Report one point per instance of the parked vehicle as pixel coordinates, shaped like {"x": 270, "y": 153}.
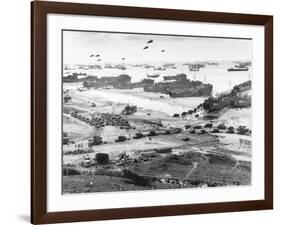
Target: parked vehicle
{"x": 186, "y": 139}
{"x": 203, "y": 131}
{"x": 215, "y": 130}
{"x": 121, "y": 139}
{"x": 221, "y": 126}
{"x": 242, "y": 130}
{"x": 192, "y": 131}
{"x": 96, "y": 140}
{"x": 208, "y": 125}
{"x": 230, "y": 130}
{"x": 138, "y": 135}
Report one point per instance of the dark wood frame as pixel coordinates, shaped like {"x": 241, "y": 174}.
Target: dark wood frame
{"x": 39, "y": 11}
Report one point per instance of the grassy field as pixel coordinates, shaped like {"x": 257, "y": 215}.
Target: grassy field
{"x": 193, "y": 169}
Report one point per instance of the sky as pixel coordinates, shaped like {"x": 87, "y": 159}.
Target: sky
{"x": 79, "y": 45}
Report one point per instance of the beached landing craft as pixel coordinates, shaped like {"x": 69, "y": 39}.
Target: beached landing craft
{"x": 159, "y": 68}
{"x": 180, "y": 86}
{"x": 239, "y": 97}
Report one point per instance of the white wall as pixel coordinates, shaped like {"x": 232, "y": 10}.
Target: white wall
{"x": 15, "y": 110}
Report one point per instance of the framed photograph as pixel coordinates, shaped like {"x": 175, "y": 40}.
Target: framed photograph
{"x": 144, "y": 112}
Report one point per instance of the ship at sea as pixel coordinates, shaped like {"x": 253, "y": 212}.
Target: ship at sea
{"x": 153, "y": 75}
{"x": 239, "y": 67}
{"x": 196, "y": 67}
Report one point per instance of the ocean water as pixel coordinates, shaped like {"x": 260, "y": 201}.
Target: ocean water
{"x": 217, "y": 75}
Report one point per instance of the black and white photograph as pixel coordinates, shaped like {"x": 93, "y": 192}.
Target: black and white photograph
{"x": 155, "y": 111}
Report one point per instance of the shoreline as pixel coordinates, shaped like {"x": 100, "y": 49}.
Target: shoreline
{"x": 145, "y": 100}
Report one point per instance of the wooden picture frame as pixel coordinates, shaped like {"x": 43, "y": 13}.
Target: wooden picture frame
{"x": 39, "y": 11}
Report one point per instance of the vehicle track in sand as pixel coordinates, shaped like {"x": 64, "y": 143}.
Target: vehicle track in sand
{"x": 195, "y": 164}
